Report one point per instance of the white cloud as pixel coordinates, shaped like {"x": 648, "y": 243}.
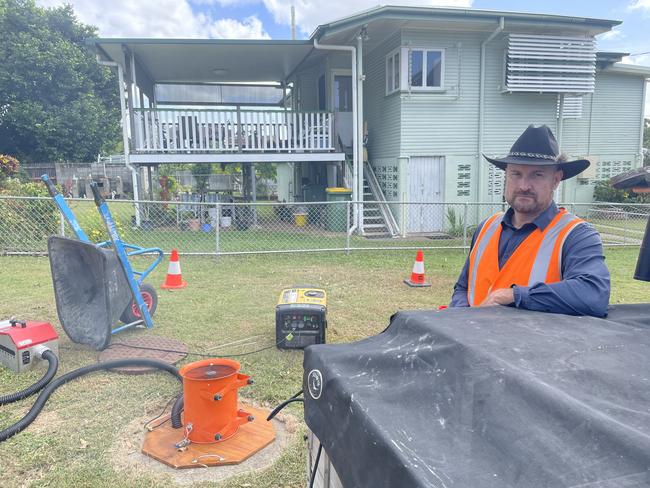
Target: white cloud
{"x": 639, "y": 4}
{"x": 158, "y": 18}
{"x": 612, "y": 35}
{"x": 250, "y": 28}
{"x": 311, "y": 13}
{"x": 641, "y": 60}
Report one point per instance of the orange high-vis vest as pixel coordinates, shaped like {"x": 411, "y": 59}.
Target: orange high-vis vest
{"x": 537, "y": 259}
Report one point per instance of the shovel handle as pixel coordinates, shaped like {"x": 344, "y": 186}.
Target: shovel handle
{"x": 99, "y": 199}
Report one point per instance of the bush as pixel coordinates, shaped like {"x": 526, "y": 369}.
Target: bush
{"x": 457, "y": 226}
{"x": 604, "y": 192}
{"x": 8, "y": 166}
{"x": 95, "y": 229}
{"x": 25, "y": 224}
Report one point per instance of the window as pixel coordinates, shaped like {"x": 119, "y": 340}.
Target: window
{"x": 415, "y": 68}
{"x": 343, "y": 93}
{"x": 392, "y": 72}
{"x": 425, "y": 68}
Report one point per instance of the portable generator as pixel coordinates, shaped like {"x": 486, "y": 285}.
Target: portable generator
{"x": 300, "y": 317}
{"x": 22, "y": 343}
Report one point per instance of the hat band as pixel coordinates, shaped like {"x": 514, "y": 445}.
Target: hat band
{"x": 533, "y": 155}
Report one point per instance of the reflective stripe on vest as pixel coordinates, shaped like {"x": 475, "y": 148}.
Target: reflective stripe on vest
{"x": 537, "y": 259}
{"x": 489, "y": 228}
{"x": 545, "y": 252}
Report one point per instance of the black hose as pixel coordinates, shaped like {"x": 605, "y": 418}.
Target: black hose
{"x": 62, "y": 380}
{"x": 277, "y": 409}
{"x": 53, "y": 365}
{"x": 314, "y": 470}
{"x": 176, "y": 412}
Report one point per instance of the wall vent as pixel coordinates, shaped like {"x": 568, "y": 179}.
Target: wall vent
{"x": 550, "y": 64}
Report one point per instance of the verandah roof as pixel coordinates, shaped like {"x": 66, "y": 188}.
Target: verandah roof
{"x": 208, "y": 60}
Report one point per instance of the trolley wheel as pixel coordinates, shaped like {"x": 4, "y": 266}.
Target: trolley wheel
{"x": 132, "y": 311}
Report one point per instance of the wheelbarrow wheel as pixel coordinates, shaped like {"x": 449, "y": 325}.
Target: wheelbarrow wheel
{"x": 132, "y": 311}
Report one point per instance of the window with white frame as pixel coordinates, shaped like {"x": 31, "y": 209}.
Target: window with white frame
{"x": 392, "y": 72}
{"x": 415, "y": 68}
{"x": 424, "y": 68}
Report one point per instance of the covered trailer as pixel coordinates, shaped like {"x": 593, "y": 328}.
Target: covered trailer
{"x": 485, "y": 397}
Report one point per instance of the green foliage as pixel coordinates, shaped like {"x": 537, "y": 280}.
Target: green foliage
{"x": 15, "y": 187}
{"x": 201, "y": 173}
{"x": 604, "y": 192}
{"x": 25, "y": 220}
{"x": 95, "y": 229}
{"x": 457, "y": 227}
{"x": 8, "y": 166}
{"x": 56, "y": 102}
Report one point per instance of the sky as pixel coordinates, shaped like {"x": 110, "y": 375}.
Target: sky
{"x": 271, "y": 19}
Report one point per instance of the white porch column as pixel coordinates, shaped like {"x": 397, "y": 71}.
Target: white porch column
{"x": 125, "y": 134}
{"x": 359, "y": 127}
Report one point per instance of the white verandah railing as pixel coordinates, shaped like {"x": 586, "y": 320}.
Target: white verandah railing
{"x": 231, "y": 130}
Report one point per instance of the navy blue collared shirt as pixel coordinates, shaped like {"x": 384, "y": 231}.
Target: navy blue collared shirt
{"x": 584, "y": 289}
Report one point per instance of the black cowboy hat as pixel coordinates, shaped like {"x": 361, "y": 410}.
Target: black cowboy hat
{"x": 538, "y": 146}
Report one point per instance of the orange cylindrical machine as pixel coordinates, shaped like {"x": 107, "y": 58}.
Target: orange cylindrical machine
{"x": 211, "y": 412}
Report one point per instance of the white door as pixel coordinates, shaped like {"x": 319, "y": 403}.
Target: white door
{"x": 425, "y": 211}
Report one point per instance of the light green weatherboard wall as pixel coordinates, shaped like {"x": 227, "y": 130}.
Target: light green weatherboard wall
{"x": 446, "y": 123}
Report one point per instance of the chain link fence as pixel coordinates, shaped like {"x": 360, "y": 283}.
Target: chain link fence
{"x": 269, "y": 227}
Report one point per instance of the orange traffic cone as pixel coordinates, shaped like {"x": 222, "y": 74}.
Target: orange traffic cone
{"x": 174, "y": 278}
{"x": 417, "y": 276}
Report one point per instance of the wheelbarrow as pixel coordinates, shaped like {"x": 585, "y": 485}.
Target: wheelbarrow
{"x": 95, "y": 286}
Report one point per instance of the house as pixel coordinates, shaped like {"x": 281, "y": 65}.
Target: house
{"x": 430, "y": 89}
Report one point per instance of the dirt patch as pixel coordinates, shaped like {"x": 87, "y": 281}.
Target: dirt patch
{"x": 127, "y": 458}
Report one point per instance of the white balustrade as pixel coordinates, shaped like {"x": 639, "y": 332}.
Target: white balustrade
{"x": 173, "y": 130}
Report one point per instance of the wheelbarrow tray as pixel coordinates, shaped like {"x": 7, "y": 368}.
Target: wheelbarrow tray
{"x": 90, "y": 288}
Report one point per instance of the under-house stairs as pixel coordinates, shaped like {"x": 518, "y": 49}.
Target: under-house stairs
{"x": 378, "y": 220}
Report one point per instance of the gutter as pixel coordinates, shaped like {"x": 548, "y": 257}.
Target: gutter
{"x": 481, "y": 107}
{"x": 355, "y": 130}
{"x": 125, "y": 135}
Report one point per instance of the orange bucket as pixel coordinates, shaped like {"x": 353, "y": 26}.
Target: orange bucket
{"x": 211, "y": 412}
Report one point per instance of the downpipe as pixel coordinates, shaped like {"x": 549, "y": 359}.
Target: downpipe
{"x": 355, "y": 129}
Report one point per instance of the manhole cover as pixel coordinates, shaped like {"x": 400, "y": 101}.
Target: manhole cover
{"x": 163, "y": 349}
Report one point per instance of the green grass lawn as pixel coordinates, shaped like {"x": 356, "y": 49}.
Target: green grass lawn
{"x": 74, "y": 440}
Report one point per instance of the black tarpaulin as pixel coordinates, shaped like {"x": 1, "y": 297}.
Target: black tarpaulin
{"x": 487, "y": 397}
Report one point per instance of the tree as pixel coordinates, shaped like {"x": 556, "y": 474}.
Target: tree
{"x": 56, "y": 102}
{"x": 201, "y": 173}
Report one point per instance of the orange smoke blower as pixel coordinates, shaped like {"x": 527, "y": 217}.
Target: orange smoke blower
{"x": 210, "y": 400}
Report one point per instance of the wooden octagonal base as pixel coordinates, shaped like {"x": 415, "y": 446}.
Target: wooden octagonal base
{"x": 249, "y": 438}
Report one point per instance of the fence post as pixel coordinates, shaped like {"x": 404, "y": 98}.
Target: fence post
{"x": 347, "y": 227}
{"x": 625, "y": 231}
{"x": 465, "y": 224}
{"x": 62, "y": 219}
{"x": 217, "y": 227}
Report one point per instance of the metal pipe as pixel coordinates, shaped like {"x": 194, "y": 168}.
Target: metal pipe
{"x": 355, "y": 104}
{"x": 643, "y": 100}
{"x": 125, "y": 136}
{"x": 360, "y": 135}
{"x": 481, "y": 108}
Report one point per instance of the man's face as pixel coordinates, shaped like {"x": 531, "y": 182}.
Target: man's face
{"x": 529, "y": 189}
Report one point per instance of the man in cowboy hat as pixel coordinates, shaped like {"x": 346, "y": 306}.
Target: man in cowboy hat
{"x": 536, "y": 255}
